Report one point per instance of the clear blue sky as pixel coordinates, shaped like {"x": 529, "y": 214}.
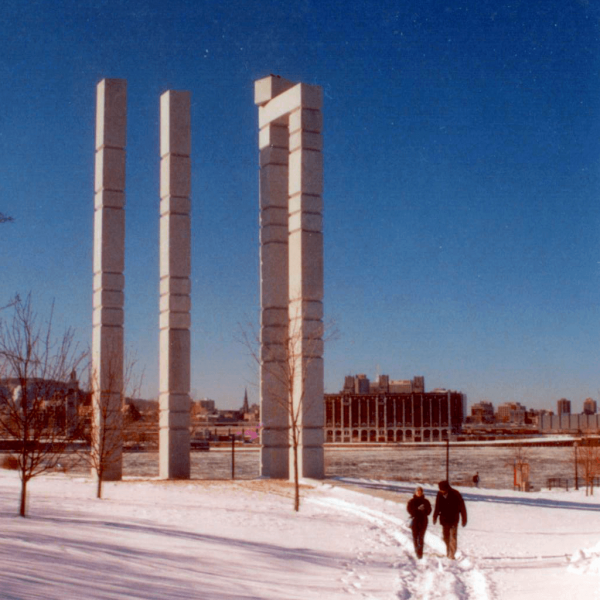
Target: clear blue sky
{"x": 462, "y": 180}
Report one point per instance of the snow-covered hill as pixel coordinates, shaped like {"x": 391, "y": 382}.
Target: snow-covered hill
{"x": 157, "y": 540}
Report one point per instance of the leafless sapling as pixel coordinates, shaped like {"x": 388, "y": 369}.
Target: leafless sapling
{"x": 588, "y": 458}
{"x": 110, "y": 423}
{"x": 288, "y": 366}
{"x": 38, "y": 390}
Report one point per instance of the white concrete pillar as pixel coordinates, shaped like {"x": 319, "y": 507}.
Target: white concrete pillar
{"x": 109, "y": 282}
{"x": 306, "y": 273}
{"x": 291, "y": 191}
{"x": 274, "y": 298}
{"x": 175, "y": 286}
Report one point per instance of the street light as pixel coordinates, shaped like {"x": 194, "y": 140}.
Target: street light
{"x": 448, "y": 459}
{"x": 575, "y": 448}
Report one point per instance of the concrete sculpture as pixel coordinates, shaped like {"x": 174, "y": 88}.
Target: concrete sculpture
{"x": 291, "y": 272}
{"x": 175, "y": 285}
{"x": 109, "y": 281}
{"x": 109, "y": 264}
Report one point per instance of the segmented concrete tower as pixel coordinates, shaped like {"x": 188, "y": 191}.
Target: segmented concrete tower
{"x": 109, "y": 264}
{"x": 291, "y": 273}
{"x": 175, "y": 285}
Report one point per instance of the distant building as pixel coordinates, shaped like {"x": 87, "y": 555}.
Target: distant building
{"x": 401, "y": 386}
{"x": 249, "y": 412}
{"x": 348, "y": 384}
{"x": 482, "y": 412}
{"x": 590, "y": 407}
{"x": 62, "y": 399}
{"x": 419, "y": 384}
{"x": 205, "y": 411}
{"x": 360, "y": 384}
{"x": 511, "y": 412}
{"x": 383, "y": 383}
{"x": 384, "y": 415}
{"x": 563, "y": 407}
{"x": 569, "y": 423}
{"x": 207, "y": 405}
{"x": 356, "y": 384}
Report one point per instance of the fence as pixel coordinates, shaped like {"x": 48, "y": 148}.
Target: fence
{"x": 559, "y": 482}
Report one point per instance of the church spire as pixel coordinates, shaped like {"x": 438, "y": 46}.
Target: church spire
{"x": 245, "y": 406}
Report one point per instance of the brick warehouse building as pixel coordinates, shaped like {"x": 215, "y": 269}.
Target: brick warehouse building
{"x": 380, "y": 415}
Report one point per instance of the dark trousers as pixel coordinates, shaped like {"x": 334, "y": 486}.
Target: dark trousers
{"x": 450, "y": 539}
{"x": 419, "y": 539}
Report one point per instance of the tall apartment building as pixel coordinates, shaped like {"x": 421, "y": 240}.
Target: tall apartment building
{"x": 563, "y": 407}
{"x": 590, "y": 406}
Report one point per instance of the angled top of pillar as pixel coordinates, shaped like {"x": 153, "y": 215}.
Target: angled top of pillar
{"x": 267, "y": 88}
{"x": 300, "y": 95}
{"x": 175, "y": 123}
{"x": 111, "y": 113}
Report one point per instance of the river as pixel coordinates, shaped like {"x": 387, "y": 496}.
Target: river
{"x": 425, "y": 464}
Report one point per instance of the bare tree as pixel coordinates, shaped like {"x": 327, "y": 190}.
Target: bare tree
{"x": 110, "y": 423}
{"x": 588, "y": 458}
{"x": 288, "y": 366}
{"x": 37, "y": 387}
{"x": 520, "y": 464}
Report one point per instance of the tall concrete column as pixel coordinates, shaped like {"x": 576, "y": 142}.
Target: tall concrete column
{"x": 274, "y": 297}
{"x": 175, "y": 286}
{"x": 109, "y": 264}
{"x": 291, "y": 271}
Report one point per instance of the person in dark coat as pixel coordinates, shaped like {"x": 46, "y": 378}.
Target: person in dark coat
{"x": 419, "y": 508}
{"x": 450, "y": 508}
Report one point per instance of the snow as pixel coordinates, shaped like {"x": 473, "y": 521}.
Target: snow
{"x": 157, "y": 540}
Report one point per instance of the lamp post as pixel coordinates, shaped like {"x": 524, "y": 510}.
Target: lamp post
{"x": 232, "y": 455}
{"x": 575, "y": 449}
{"x": 448, "y": 459}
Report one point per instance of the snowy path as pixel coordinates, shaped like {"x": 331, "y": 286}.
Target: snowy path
{"x": 517, "y": 545}
{"x": 434, "y": 576}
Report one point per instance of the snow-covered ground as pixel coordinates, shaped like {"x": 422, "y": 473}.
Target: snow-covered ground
{"x": 241, "y": 540}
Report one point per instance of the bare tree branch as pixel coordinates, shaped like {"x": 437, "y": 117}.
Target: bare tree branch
{"x": 110, "y": 424}
{"x": 588, "y": 458}
{"x": 37, "y": 390}
{"x": 288, "y": 365}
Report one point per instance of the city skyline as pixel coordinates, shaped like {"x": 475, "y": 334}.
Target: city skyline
{"x": 461, "y": 152}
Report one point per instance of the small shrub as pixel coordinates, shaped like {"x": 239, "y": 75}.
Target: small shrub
{"x": 10, "y": 462}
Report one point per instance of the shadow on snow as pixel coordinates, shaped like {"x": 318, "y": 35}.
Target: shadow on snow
{"x": 472, "y": 497}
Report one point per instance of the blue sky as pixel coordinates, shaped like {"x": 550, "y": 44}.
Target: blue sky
{"x": 461, "y": 151}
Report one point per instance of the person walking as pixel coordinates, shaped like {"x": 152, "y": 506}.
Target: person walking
{"x": 476, "y": 479}
{"x": 450, "y": 508}
{"x": 419, "y": 508}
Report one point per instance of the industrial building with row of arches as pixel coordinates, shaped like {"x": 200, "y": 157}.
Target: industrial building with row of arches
{"x": 392, "y": 411}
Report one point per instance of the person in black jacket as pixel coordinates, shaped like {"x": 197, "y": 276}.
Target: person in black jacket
{"x": 449, "y": 507}
{"x": 419, "y": 508}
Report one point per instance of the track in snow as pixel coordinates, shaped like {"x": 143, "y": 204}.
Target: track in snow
{"x": 432, "y": 578}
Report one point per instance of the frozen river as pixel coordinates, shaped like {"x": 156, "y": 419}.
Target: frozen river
{"x": 411, "y": 463}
